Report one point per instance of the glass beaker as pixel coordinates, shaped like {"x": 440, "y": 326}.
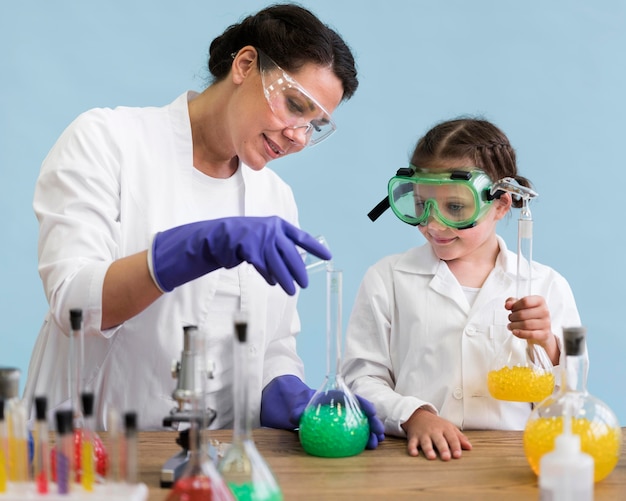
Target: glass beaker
{"x": 243, "y": 468}
{"x": 590, "y": 418}
{"x": 200, "y": 480}
{"x": 333, "y": 423}
{"x": 311, "y": 261}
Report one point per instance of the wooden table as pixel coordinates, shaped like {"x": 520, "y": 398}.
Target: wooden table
{"x": 496, "y": 468}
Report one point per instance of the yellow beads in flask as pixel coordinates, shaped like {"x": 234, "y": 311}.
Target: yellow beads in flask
{"x": 520, "y": 384}
{"x": 599, "y": 440}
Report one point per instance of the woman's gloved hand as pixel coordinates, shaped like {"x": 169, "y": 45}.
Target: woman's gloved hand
{"x": 284, "y": 399}
{"x": 186, "y": 252}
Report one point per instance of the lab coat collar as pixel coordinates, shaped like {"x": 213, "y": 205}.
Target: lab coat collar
{"x": 423, "y": 261}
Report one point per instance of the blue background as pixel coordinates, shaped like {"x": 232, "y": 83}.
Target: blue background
{"x": 550, "y": 74}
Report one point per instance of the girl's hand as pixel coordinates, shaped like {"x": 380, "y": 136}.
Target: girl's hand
{"x": 432, "y": 434}
{"x": 530, "y": 320}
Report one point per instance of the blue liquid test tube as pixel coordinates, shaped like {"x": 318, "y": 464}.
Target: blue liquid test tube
{"x": 64, "y": 450}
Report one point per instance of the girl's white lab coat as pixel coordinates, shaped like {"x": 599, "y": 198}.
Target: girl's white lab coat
{"x": 413, "y": 340}
{"x": 114, "y": 179}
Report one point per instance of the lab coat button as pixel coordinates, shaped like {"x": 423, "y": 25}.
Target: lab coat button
{"x": 470, "y": 331}
{"x": 458, "y": 393}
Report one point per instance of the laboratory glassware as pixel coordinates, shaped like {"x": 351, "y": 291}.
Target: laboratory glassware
{"x": 87, "y": 453}
{"x": 313, "y": 263}
{"x": 76, "y": 365}
{"x": 589, "y": 418}
{"x": 4, "y": 451}
{"x": 129, "y": 453}
{"x": 521, "y": 371}
{"x": 566, "y": 473}
{"x": 41, "y": 459}
{"x": 199, "y": 480}
{"x": 76, "y": 389}
{"x": 17, "y": 436}
{"x": 333, "y": 423}
{"x": 243, "y": 468}
{"x": 64, "y": 450}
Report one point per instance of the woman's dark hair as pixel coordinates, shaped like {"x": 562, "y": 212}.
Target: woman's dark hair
{"x": 476, "y": 139}
{"x": 292, "y": 36}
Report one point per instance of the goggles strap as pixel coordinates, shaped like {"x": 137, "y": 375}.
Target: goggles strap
{"x": 384, "y": 204}
{"x": 377, "y": 211}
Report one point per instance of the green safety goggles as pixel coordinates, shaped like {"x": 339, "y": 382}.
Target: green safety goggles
{"x": 457, "y": 199}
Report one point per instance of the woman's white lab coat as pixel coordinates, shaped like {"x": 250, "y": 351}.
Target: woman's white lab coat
{"x": 113, "y": 179}
{"x": 413, "y": 339}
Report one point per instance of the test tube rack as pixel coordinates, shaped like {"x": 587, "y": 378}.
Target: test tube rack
{"x": 102, "y": 492}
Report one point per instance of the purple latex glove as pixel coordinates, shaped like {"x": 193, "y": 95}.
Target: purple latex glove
{"x": 186, "y": 252}
{"x": 284, "y": 399}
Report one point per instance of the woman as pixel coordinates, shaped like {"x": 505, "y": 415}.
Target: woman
{"x": 193, "y": 174}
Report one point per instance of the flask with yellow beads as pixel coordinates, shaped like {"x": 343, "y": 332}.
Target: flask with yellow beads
{"x": 591, "y": 419}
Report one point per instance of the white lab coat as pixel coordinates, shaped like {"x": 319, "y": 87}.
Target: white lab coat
{"x": 413, "y": 340}
{"x": 113, "y": 179}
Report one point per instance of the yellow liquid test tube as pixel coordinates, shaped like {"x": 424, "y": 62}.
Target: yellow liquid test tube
{"x": 3, "y": 472}
{"x": 88, "y": 476}
{"x": 18, "y": 442}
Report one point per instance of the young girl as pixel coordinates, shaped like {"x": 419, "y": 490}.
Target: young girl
{"x": 427, "y": 324}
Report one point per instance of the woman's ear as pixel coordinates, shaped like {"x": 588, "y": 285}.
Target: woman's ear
{"x": 244, "y": 63}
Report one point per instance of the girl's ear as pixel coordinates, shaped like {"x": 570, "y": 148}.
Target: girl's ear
{"x": 244, "y": 63}
{"x": 503, "y": 205}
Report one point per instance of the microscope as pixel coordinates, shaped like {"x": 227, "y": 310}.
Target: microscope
{"x": 191, "y": 373}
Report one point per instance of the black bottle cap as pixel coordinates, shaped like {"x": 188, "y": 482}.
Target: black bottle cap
{"x": 41, "y": 408}
{"x": 1, "y": 409}
{"x": 64, "y": 418}
{"x": 87, "y": 402}
{"x": 574, "y": 340}
{"x": 76, "y": 318}
{"x": 130, "y": 421}
{"x": 241, "y": 331}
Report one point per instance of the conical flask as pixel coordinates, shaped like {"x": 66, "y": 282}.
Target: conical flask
{"x": 590, "y": 418}
{"x": 333, "y": 423}
{"x": 200, "y": 480}
{"x": 243, "y": 468}
{"x": 522, "y": 371}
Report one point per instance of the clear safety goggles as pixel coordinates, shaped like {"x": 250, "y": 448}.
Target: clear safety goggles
{"x": 292, "y": 104}
{"x": 457, "y": 199}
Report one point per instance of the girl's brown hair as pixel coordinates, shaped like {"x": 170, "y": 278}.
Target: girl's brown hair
{"x": 478, "y": 140}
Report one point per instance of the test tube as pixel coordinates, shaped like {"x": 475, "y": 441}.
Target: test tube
{"x": 64, "y": 450}
{"x": 18, "y": 441}
{"x": 3, "y": 449}
{"x": 75, "y": 367}
{"x": 130, "y": 447}
{"x": 113, "y": 428}
{"x": 88, "y": 474}
{"x": 41, "y": 466}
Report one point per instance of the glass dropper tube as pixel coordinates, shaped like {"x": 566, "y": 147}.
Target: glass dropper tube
{"x": 333, "y": 424}
{"x": 524, "y": 250}
{"x": 243, "y": 468}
